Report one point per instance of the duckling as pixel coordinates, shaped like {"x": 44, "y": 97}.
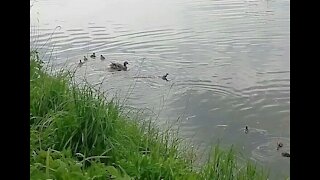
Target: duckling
{"x": 164, "y": 77}
{"x": 80, "y": 63}
{"x": 37, "y": 55}
{"x": 285, "y": 154}
{"x": 85, "y": 58}
{"x": 246, "y": 130}
{"x": 93, "y": 55}
{"x": 102, "y": 57}
{"x": 118, "y": 66}
{"x": 279, "y": 145}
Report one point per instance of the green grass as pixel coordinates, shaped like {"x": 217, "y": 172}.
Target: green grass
{"x": 75, "y": 133}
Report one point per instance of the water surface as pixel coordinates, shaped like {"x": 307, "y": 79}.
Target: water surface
{"x": 228, "y": 63}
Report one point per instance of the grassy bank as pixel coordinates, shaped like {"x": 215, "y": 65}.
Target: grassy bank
{"x": 76, "y": 134}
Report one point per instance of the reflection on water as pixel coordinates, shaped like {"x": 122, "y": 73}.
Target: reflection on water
{"x": 228, "y": 63}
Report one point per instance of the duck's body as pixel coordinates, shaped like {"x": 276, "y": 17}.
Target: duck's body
{"x": 118, "y": 66}
{"x": 93, "y": 55}
{"x": 102, "y": 57}
{"x": 164, "y": 77}
{"x": 85, "y": 58}
{"x": 285, "y": 154}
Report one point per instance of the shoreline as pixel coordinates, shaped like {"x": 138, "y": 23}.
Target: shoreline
{"x": 76, "y": 133}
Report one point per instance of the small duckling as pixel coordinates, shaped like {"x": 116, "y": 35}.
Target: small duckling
{"x": 37, "y": 55}
{"x": 285, "y": 154}
{"x": 279, "y": 145}
{"x": 102, "y": 57}
{"x": 80, "y": 63}
{"x": 164, "y": 77}
{"x": 85, "y": 58}
{"x": 246, "y": 130}
{"x": 93, "y": 55}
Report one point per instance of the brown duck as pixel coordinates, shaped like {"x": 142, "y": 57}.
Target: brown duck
{"x": 118, "y": 66}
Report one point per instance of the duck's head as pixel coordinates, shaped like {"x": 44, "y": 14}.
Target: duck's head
{"x": 94, "y": 54}
{"x": 125, "y": 63}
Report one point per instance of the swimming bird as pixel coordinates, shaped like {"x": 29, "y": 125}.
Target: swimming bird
{"x": 280, "y": 145}
{"x": 118, "y": 66}
{"x": 85, "y": 58}
{"x": 80, "y": 63}
{"x": 246, "y": 130}
{"x": 285, "y": 154}
{"x": 93, "y": 55}
{"x": 37, "y": 55}
{"x": 164, "y": 77}
{"x": 102, "y": 57}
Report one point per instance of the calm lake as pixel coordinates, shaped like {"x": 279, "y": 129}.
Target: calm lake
{"x": 228, "y": 63}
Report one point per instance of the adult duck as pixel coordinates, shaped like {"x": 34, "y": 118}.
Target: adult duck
{"x": 85, "y": 58}
{"x": 102, "y": 57}
{"x": 118, "y": 66}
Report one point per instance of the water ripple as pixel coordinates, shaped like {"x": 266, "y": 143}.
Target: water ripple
{"x": 228, "y": 61}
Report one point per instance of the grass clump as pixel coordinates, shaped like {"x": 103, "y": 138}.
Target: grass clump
{"x": 76, "y": 134}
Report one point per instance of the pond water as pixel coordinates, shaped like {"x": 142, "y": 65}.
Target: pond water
{"x": 228, "y": 63}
